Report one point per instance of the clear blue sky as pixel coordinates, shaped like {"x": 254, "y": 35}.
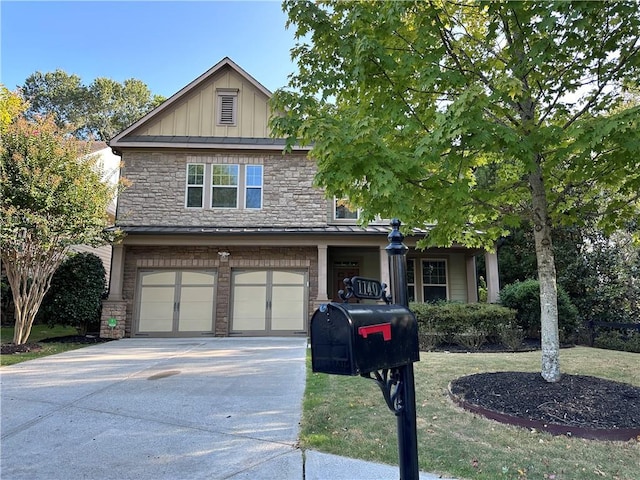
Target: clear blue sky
{"x": 165, "y": 44}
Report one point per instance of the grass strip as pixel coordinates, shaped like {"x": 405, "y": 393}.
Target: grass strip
{"x": 38, "y": 333}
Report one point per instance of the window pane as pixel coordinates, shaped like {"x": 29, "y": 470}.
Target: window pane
{"x": 224, "y": 197}
{"x": 434, "y": 272}
{"x": 194, "y": 197}
{"x": 254, "y": 175}
{"x": 412, "y": 293}
{"x": 225, "y": 175}
{"x": 342, "y": 210}
{"x": 433, "y": 294}
{"x": 195, "y": 175}
{"x": 254, "y": 198}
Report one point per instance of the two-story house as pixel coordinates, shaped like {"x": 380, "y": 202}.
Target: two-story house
{"x": 225, "y": 233}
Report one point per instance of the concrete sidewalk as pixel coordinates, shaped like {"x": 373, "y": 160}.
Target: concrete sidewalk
{"x": 194, "y": 408}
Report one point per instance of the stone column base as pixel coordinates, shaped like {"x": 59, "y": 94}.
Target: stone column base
{"x": 113, "y": 312}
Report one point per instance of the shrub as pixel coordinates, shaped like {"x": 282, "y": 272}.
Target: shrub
{"x": 441, "y": 322}
{"x": 471, "y": 338}
{"x": 512, "y": 337}
{"x": 628, "y": 341}
{"x": 524, "y": 297}
{"x": 74, "y": 298}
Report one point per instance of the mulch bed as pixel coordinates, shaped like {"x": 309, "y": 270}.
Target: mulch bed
{"x": 579, "y": 405}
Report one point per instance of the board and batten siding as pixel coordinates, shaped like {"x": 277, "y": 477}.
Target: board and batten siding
{"x": 457, "y": 277}
{"x": 195, "y": 115}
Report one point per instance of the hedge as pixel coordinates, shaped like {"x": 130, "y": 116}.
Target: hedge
{"x": 468, "y": 324}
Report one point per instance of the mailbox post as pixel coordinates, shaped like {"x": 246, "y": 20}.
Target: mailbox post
{"x": 406, "y": 416}
{"x": 379, "y": 342}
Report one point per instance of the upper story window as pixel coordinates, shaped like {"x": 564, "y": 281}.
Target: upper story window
{"x": 224, "y": 186}
{"x": 195, "y": 185}
{"x": 227, "y": 107}
{"x": 434, "y": 280}
{"x": 253, "y": 186}
{"x": 342, "y": 210}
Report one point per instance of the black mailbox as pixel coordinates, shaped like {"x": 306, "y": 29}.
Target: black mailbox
{"x": 355, "y": 339}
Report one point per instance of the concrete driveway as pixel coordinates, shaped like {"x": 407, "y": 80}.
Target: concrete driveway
{"x": 174, "y": 409}
{"x": 209, "y": 408}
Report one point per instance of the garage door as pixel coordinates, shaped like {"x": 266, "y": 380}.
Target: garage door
{"x": 176, "y": 302}
{"x": 269, "y": 302}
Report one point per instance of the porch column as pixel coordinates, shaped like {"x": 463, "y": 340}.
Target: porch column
{"x": 472, "y": 281}
{"x": 117, "y": 273}
{"x": 493, "y": 282}
{"x": 114, "y": 309}
{"x": 322, "y": 274}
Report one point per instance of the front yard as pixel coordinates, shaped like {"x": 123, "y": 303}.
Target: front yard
{"x": 347, "y": 416}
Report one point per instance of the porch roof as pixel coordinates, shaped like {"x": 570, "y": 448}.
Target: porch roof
{"x": 258, "y": 230}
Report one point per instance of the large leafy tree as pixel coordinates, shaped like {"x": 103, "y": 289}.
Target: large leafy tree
{"x": 52, "y": 196}
{"x": 469, "y": 117}
{"x": 99, "y": 110}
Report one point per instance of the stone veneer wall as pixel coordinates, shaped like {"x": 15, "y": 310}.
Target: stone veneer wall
{"x": 156, "y": 195}
{"x": 139, "y": 257}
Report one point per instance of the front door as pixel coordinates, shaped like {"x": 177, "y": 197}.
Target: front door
{"x": 341, "y": 271}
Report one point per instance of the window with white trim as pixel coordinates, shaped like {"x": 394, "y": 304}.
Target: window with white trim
{"x": 411, "y": 279}
{"x": 195, "y": 185}
{"x": 343, "y": 211}
{"x": 434, "y": 280}
{"x": 224, "y": 186}
{"x": 227, "y": 107}
{"x": 253, "y": 186}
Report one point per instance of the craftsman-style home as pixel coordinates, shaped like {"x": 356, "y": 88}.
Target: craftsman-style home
{"x": 225, "y": 233}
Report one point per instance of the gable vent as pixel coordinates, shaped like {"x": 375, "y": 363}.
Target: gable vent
{"x": 227, "y": 109}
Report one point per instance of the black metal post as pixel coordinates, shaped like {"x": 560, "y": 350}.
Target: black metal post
{"x": 406, "y": 417}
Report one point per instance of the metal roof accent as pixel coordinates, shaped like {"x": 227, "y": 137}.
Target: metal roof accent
{"x": 258, "y": 230}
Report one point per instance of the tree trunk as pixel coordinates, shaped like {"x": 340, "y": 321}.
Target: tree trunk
{"x": 547, "y": 277}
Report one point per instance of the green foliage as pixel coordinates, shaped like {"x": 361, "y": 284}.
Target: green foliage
{"x": 619, "y": 340}
{"x": 52, "y": 197}
{"x": 524, "y": 297}
{"x": 468, "y": 118}
{"x": 7, "y": 306}
{"x": 460, "y": 322}
{"x": 444, "y": 112}
{"x": 74, "y": 298}
{"x": 600, "y": 273}
{"x": 99, "y": 110}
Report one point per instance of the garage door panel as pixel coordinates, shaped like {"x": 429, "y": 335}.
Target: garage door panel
{"x": 196, "y": 309}
{"x": 249, "y": 307}
{"x": 287, "y": 308}
{"x": 176, "y": 301}
{"x": 197, "y": 278}
{"x": 156, "y": 309}
{"x": 159, "y": 278}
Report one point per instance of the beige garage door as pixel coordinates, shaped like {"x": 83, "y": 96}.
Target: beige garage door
{"x": 175, "y": 302}
{"x": 271, "y": 302}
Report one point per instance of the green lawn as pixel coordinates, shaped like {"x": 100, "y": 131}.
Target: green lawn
{"x": 348, "y": 416}
{"x": 38, "y": 332}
